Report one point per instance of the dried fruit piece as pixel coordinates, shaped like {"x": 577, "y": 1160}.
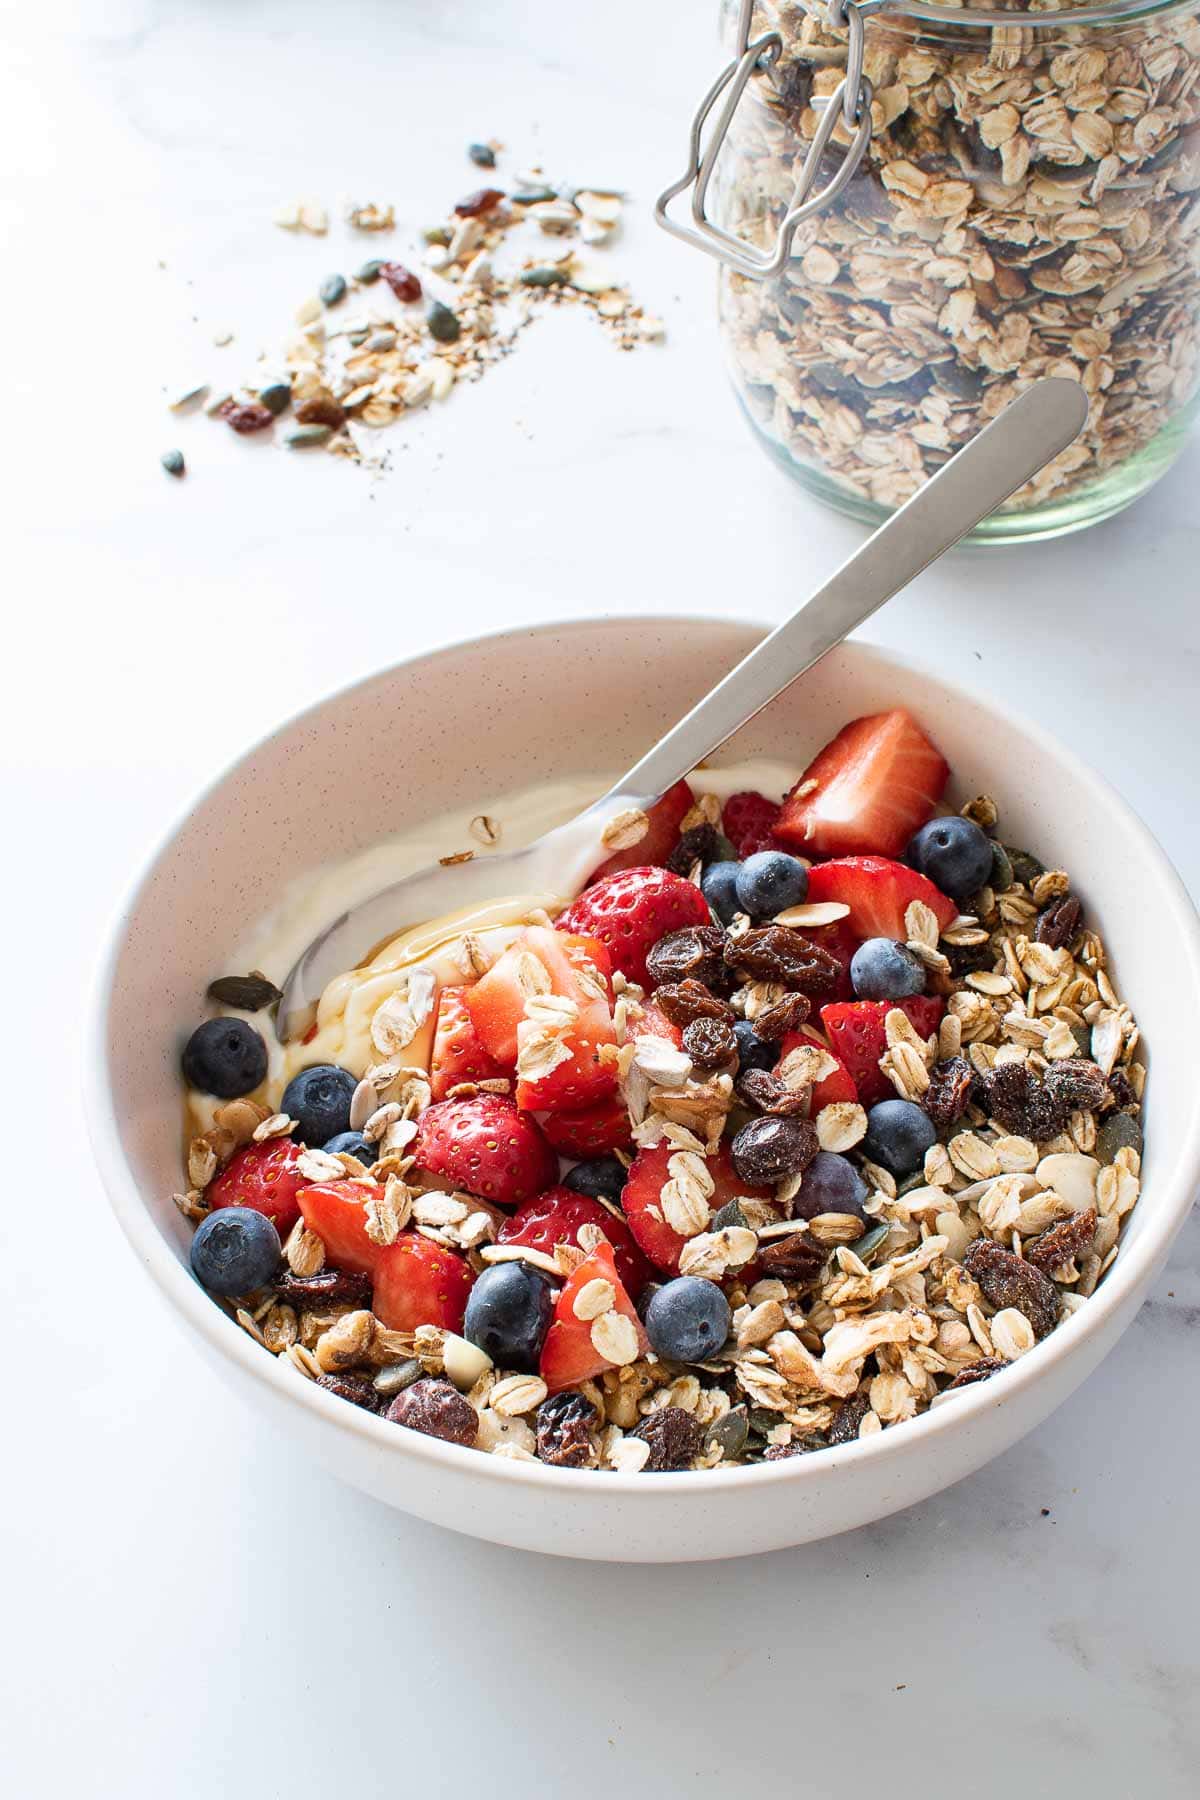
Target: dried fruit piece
{"x": 798, "y": 1258}
{"x": 360, "y": 1390}
{"x": 332, "y": 1287}
{"x": 771, "y": 1148}
{"x": 685, "y": 1001}
{"x": 1023, "y": 1106}
{"x": 483, "y": 200}
{"x": 977, "y": 1371}
{"x": 1077, "y": 1084}
{"x": 695, "y": 953}
{"x": 321, "y": 409}
{"x": 564, "y": 1427}
{"x": 1007, "y": 1280}
{"x": 710, "y": 1043}
{"x": 673, "y": 1435}
{"x": 949, "y": 1093}
{"x": 1063, "y": 1242}
{"x": 437, "y": 1409}
{"x": 787, "y": 1015}
{"x": 764, "y": 1091}
{"x": 703, "y": 843}
{"x": 245, "y": 417}
{"x": 848, "y": 1417}
{"x": 778, "y": 953}
{"x": 1060, "y": 922}
{"x": 404, "y": 284}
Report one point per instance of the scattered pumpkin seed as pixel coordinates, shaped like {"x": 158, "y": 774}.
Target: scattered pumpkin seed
{"x": 482, "y": 155}
{"x": 1083, "y": 1038}
{"x": 437, "y": 234}
{"x": 1002, "y": 869}
{"x": 1025, "y": 868}
{"x": 381, "y": 340}
{"x": 172, "y": 461}
{"x": 730, "y": 1432}
{"x": 869, "y": 1242}
{"x": 1119, "y": 1132}
{"x": 332, "y": 289}
{"x": 248, "y": 993}
{"x": 307, "y": 437}
{"x": 533, "y": 196}
{"x": 443, "y": 323}
{"x": 395, "y": 1379}
{"x": 543, "y": 277}
{"x": 369, "y": 271}
{"x": 728, "y": 1215}
{"x": 358, "y": 338}
{"x": 762, "y": 1419}
{"x": 276, "y": 396}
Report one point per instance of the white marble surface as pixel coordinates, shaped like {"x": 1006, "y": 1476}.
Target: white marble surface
{"x": 189, "y": 1609}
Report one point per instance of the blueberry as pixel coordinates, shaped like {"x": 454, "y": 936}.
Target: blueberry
{"x": 830, "y": 1184}
{"x": 319, "y": 1101}
{"x": 954, "y": 854}
{"x": 770, "y": 880}
{"x": 603, "y": 1178}
{"x": 225, "y": 1057}
{"x": 898, "y": 1135}
{"x": 882, "y": 969}
{"x": 235, "y": 1251}
{"x": 508, "y": 1315}
{"x": 718, "y": 884}
{"x": 352, "y": 1143}
{"x": 753, "y": 1052}
{"x": 688, "y": 1319}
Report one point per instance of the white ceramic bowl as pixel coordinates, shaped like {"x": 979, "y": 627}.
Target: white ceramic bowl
{"x": 582, "y": 697}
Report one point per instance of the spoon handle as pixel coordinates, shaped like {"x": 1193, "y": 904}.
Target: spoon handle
{"x": 978, "y": 479}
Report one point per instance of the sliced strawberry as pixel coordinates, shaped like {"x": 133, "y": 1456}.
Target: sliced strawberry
{"x": 840, "y": 941}
{"x": 831, "y": 1088}
{"x": 336, "y": 1211}
{"x": 631, "y": 910}
{"x": 648, "y": 1020}
{"x": 875, "y": 783}
{"x": 486, "y": 1147}
{"x": 458, "y": 1052}
{"x": 748, "y": 821}
{"x": 557, "y": 1216}
{"x": 857, "y": 1032}
{"x": 878, "y": 892}
{"x": 417, "y": 1282}
{"x": 569, "y": 1354}
{"x": 666, "y": 817}
{"x": 591, "y": 1131}
{"x": 641, "y": 1201}
{"x": 580, "y": 972}
{"x": 265, "y": 1178}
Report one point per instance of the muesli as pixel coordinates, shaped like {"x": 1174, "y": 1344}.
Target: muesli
{"x": 796, "y": 1121}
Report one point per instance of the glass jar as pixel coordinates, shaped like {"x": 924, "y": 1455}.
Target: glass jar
{"x": 1015, "y": 195}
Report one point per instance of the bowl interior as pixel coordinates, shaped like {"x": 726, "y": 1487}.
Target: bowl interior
{"x": 479, "y": 719}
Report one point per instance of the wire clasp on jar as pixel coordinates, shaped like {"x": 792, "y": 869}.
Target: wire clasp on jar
{"x": 850, "y": 104}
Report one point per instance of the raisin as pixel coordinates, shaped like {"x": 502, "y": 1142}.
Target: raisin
{"x": 685, "y": 1001}
{"x": 481, "y": 201}
{"x": 777, "y": 953}
{"x": 1022, "y": 1106}
{"x": 786, "y": 1015}
{"x": 404, "y": 284}
{"x": 765, "y": 1092}
{"x": 332, "y": 1287}
{"x": 848, "y": 1417}
{"x": 693, "y": 954}
{"x": 564, "y": 1424}
{"x": 977, "y": 1371}
{"x": 798, "y": 1258}
{"x": 968, "y": 959}
{"x": 673, "y": 1435}
{"x": 1007, "y": 1280}
{"x": 701, "y": 844}
{"x": 246, "y": 417}
{"x": 1118, "y": 1086}
{"x": 769, "y": 1149}
{"x": 437, "y": 1409}
{"x": 321, "y": 409}
{"x": 781, "y": 1452}
{"x": 710, "y": 1042}
{"x": 1059, "y": 923}
{"x": 1077, "y": 1084}
{"x": 358, "y": 1389}
{"x": 1063, "y": 1242}
{"x": 949, "y": 1093}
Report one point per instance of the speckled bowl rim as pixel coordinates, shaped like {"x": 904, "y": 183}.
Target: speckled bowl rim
{"x": 189, "y": 1301}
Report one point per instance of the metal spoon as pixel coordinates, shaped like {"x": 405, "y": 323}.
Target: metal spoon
{"x": 983, "y": 474}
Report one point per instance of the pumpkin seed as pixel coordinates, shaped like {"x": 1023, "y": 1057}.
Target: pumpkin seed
{"x": 443, "y": 323}
{"x": 730, "y": 1432}
{"x": 332, "y": 289}
{"x": 1025, "y": 868}
{"x": 248, "y": 993}
{"x": 307, "y": 437}
{"x": 395, "y": 1379}
{"x": 369, "y": 271}
{"x": 437, "y": 234}
{"x": 1002, "y": 870}
{"x": 729, "y": 1214}
{"x": 172, "y": 461}
{"x": 276, "y": 396}
{"x": 1119, "y": 1132}
{"x": 482, "y": 155}
{"x": 763, "y": 1420}
{"x": 869, "y": 1242}
{"x": 533, "y": 196}
{"x": 543, "y": 277}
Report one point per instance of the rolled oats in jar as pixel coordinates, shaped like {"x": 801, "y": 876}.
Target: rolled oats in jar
{"x": 1025, "y": 203}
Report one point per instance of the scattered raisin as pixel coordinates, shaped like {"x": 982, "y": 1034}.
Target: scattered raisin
{"x": 332, "y": 1287}
{"x": 701, "y": 844}
{"x": 781, "y": 1452}
{"x": 1063, "y": 1242}
{"x": 1077, "y": 1084}
{"x": 777, "y": 953}
{"x": 1022, "y": 1106}
{"x": 1118, "y": 1086}
{"x": 673, "y": 1435}
{"x": 404, "y": 284}
{"x": 564, "y": 1424}
{"x": 358, "y": 1389}
{"x": 481, "y": 201}
{"x": 968, "y": 959}
{"x": 765, "y": 1092}
{"x": 710, "y": 1043}
{"x": 798, "y": 1258}
{"x": 245, "y": 417}
{"x": 949, "y": 1093}
{"x": 769, "y": 1149}
{"x": 693, "y": 954}
{"x": 1008, "y": 1280}
{"x": 786, "y": 1015}
{"x": 321, "y": 409}
{"x": 437, "y": 1409}
{"x": 684, "y": 1001}
{"x": 848, "y": 1417}
{"x": 977, "y": 1371}
{"x": 1059, "y": 923}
